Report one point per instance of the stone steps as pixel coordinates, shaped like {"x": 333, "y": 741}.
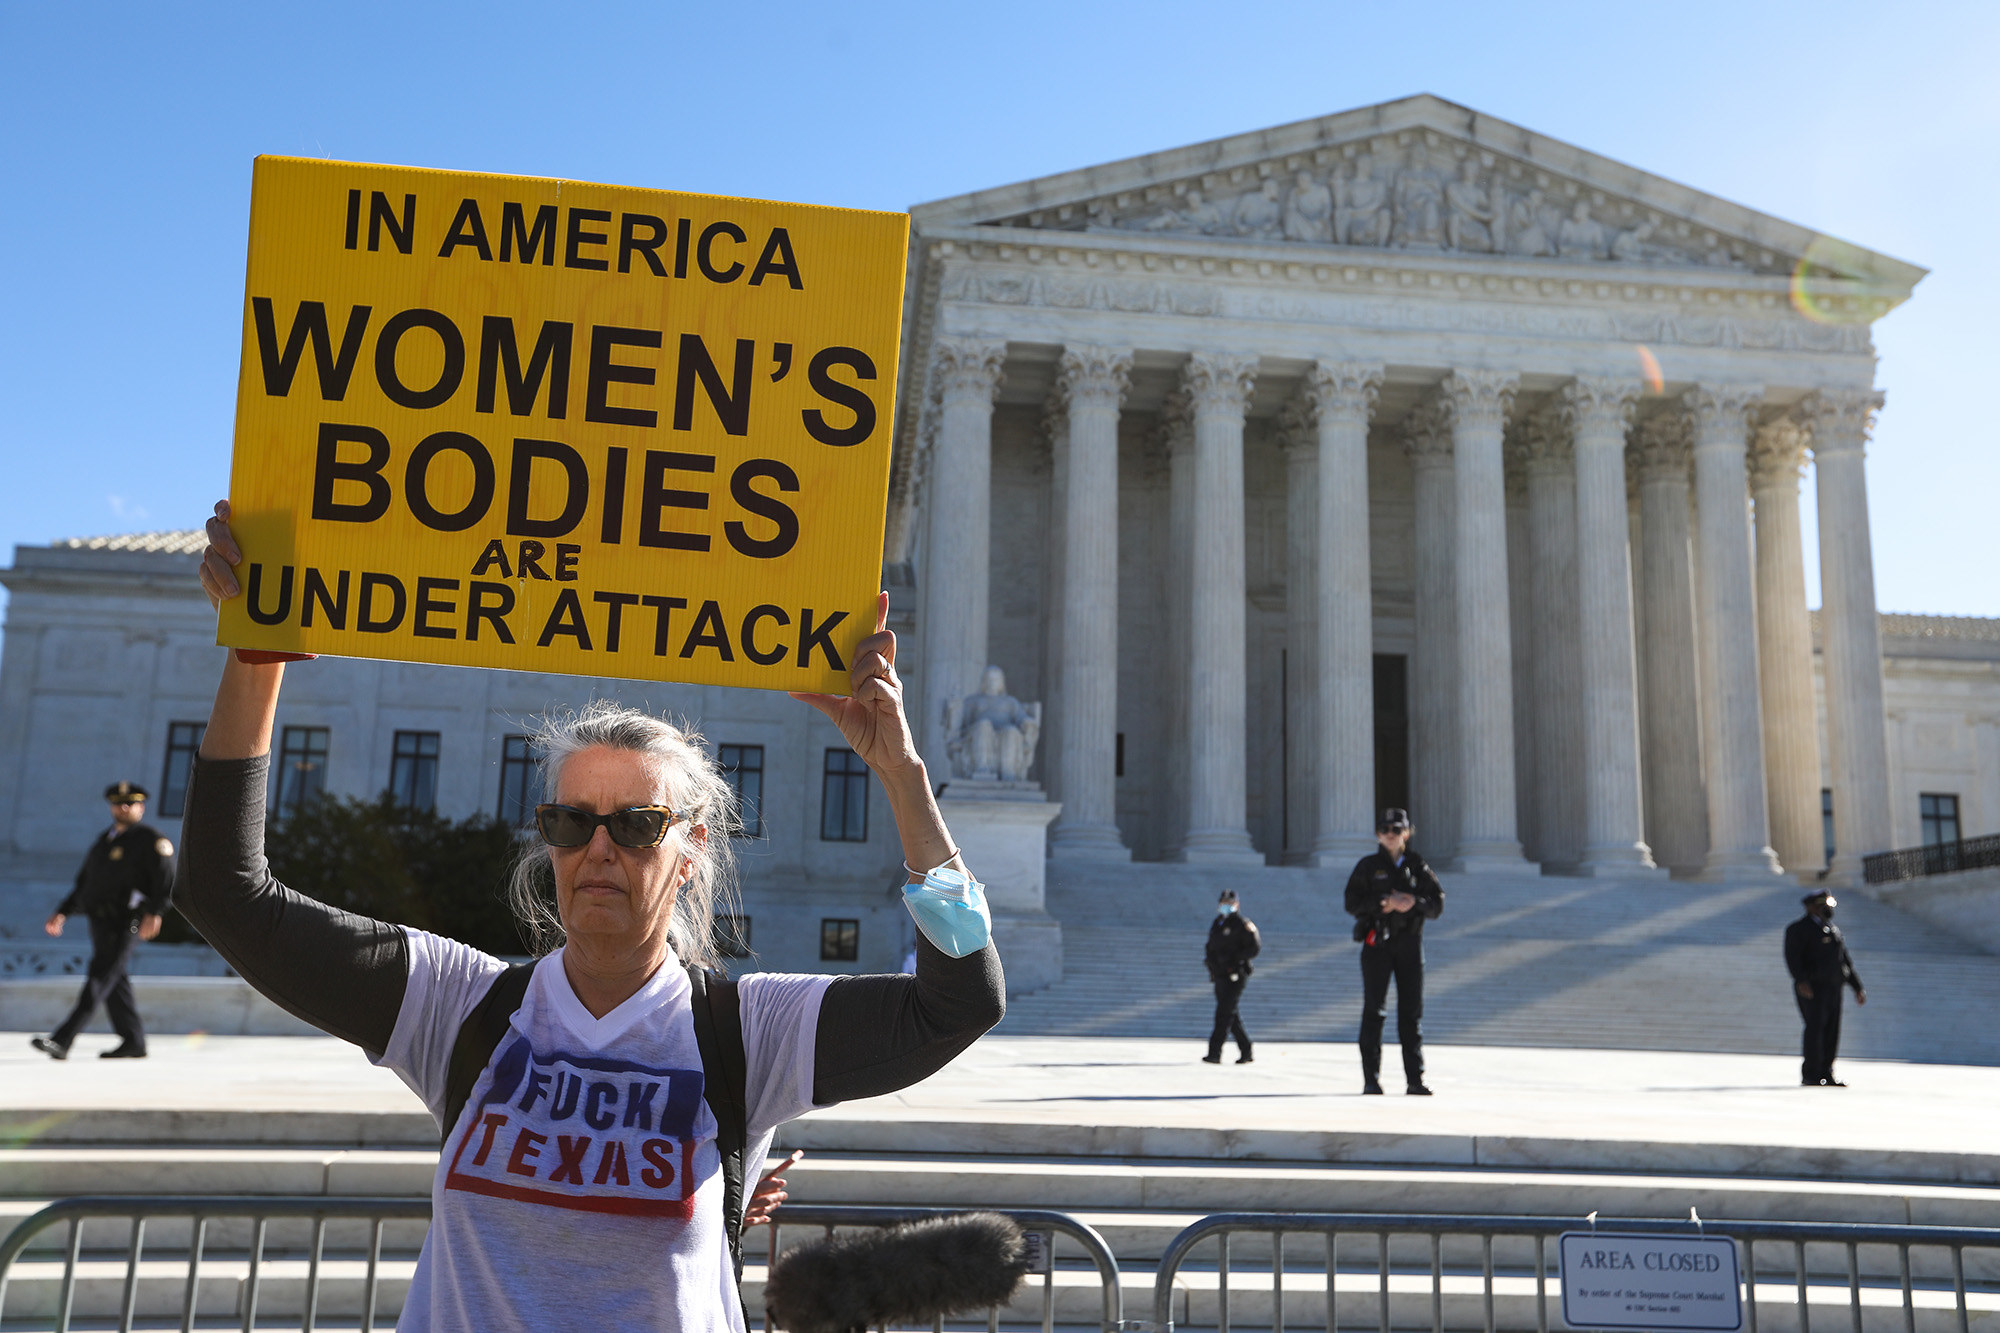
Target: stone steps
{"x": 1516, "y": 961}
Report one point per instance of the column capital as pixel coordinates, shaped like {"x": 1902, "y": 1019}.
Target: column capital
{"x": 1594, "y": 405}
{"x": 1720, "y": 413}
{"x": 1839, "y": 420}
{"x": 1342, "y": 388}
{"x": 1661, "y": 446}
{"x": 1426, "y": 435}
{"x": 1217, "y": 382}
{"x": 1478, "y": 398}
{"x": 1778, "y": 452}
{"x": 963, "y": 368}
{"x": 1546, "y": 442}
{"x": 1089, "y": 376}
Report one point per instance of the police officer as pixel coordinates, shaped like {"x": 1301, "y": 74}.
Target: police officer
{"x": 1232, "y": 942}
{"x": 1390, "y": 895}
{"x": 123, "y": 888}
{"x": 1816, "y": 956}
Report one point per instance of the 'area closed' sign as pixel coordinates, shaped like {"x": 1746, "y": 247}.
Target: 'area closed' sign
{"x": 1642, "y": 1281}
{"x": 516, "y": 422}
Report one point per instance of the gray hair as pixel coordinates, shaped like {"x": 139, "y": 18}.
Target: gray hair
{"x": 694, "y": 785}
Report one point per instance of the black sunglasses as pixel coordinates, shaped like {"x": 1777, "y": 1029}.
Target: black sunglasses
{"x": 640, "y": 826}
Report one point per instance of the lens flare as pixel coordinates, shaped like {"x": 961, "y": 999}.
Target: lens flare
{"x": 1649, "y": 369}
{"x": 1822, "y": 270}
{"x": 195, "y": 1039}
{"x": 20, "y": 1133}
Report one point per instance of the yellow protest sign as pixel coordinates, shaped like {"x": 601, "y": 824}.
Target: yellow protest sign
{"x": 505, "y": 421}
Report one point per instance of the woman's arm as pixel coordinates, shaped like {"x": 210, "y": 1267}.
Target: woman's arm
{"x": 340, "y": 972}
{"x": 878, "y": 1034}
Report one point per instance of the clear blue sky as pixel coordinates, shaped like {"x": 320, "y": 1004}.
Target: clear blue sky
{"x": 129, "y": 129}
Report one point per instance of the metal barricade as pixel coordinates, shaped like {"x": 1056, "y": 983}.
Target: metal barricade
{"x": 1354, "y": 1267}
{"x": 199, "y": 1211}
{"x": 247, "y": 1266}
{"x": 1036, "y": 1222}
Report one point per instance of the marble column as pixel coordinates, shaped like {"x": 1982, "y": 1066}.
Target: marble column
{"x": 1488, "y": 840}
{"x": 1176, "y": 442}
{"x": 1784, "y": 649}
{"x": 1614, "y": 841}
{"x": 1434, "y": 770}
{"x": 1851, "y": 634}
{"x": 1218, "y": 387}
{"x": 1053, "y": 443}
{"x": 1298, "y": 437}
{"x": 1342, "y": 395}
{"x": 1092, "y": 382}
{"x": 1520, "y": 614}
{"x": 1676, "y": 801}
{"x": 958, "y": 534}
{"x": 1739, "y": 839}
{"x": 1554, "y": 655}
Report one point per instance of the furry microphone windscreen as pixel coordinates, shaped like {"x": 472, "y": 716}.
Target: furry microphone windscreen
{"x": 908, "y": 1274}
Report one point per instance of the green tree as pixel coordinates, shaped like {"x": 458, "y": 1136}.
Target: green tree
{"x": 413, "y": 867}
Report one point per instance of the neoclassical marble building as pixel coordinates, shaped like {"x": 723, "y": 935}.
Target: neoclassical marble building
{"x": 1404, "y": 429}
{"x": 1402, "y": 456}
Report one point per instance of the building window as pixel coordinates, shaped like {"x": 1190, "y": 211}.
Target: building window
{"x": 843, "y": 798}
{"x": 1938, "y": 813}
{"x": 520, "y": 784}
{"x": 732, "y": 936}
{"x": 839, "y": 940}
{"x": 413, "y": 770}
{"x": 743, "y": 767}
{"x": 1826, "y": 820}
{"x": 183, "y": 739}
{"x": 301, "y": 766}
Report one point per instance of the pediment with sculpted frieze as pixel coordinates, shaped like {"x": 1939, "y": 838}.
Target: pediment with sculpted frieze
{"x": 1423, "y": 176}
{"x": 1415, "y": 191}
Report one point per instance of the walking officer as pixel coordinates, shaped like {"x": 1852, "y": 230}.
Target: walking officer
{"x": 122, "y": 888}
{"x": 1232, "y": 942}
{"x": 1816, "y": 956}
{"x": 1390, "y": 895}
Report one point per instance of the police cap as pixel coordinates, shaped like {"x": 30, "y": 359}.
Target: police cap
{"x": 119, "y": 792}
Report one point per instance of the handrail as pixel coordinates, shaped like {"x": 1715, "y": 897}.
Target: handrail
{"x": 1539, "y": 1229}
{"x": 1940, "y": 858}
{"x": 200, "y": 1209}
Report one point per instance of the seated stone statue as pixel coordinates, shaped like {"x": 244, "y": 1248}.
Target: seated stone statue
{"x": 991, "y": 735}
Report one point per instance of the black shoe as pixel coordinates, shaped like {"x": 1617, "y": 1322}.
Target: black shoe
{"x": 1211, "y": 1059}
{"x": 49, "y": 1048}
{"x": 1243, "y": 1059}
{"x": 1371, "y": 1087}
{"x": 1831, "y": 1083}
{"x": 126, "y": 1051}
{"x": 1417, "y": 1090}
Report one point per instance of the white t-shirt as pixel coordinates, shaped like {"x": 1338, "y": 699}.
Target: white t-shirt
{"x": 582, "y": 1186}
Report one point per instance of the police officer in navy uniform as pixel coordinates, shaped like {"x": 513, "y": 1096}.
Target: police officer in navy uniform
{"x": 122, "y": 888}
{"x": 1816, "y": 956}
{"x": 1232, "y": 942}
{"x": 1390, "y": 895}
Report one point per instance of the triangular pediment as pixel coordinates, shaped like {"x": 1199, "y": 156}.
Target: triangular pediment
{"x": 1421, "y": 174}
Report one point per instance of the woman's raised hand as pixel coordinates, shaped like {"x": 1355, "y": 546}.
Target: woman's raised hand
{"x": 871, "y": 716}
{"x": 219, "y": 560}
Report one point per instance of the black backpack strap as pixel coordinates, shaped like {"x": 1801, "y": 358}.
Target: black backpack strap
{"x": 718, "y": 1032}
{"x": 479, "y": 1035}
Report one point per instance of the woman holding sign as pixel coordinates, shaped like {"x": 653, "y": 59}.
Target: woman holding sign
{"x": 598, "y": 1105}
